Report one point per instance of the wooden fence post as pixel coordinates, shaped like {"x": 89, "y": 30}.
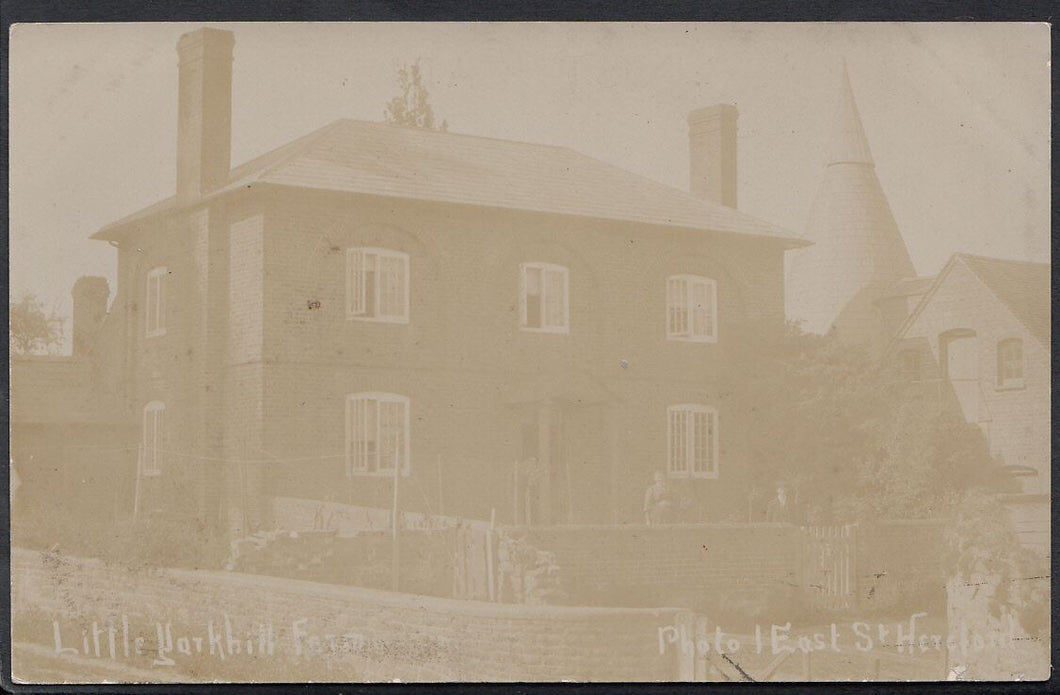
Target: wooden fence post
{"x": 684, "y": 621}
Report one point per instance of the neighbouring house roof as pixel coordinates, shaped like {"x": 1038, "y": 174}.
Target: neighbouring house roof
{"x": 1022, "y": 286}
{"x": 412, "y": 163}
{"x": 908, "y": 287}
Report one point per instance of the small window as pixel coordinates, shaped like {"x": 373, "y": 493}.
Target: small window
{"x": 691, "y": 309}
{"x": 1010, "y": 363}
{"x": 692, "y": 443}
{"x": 377, "y": 434}
{"x": 155, "y": 308}
{"x": 909, "y": 363}
{"x": 377, "y": 285}
{"x": 152, "y": 448}
{"x": 544, "y": 298}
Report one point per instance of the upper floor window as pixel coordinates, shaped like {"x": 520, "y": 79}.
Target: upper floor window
{"x": 377, "y": 434}
{"x": 692, "y": 442}
{"x": 151, "y": 449}
{"x": 377, "y": 285}
{"x": 691, "y": 309}
{"x": 544, "y": 298}
{"x": 155, "y": 308}
{"x": 1010, "y": 363}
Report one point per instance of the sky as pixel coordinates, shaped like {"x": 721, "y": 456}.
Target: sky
{"x": 957, "y": 116}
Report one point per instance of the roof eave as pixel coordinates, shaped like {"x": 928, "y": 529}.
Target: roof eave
{"x": 119, "y": 229}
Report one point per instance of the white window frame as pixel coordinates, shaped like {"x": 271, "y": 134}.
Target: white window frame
{"x": 544, "y": 268}
{"x": 151, "y": 452}
{"x": 155, "y": 302}
{"x": 686, "y": 441}
{"x": 373, "y": 399}
{"x": 688, "y": 334}
{"x": 1011, "y": 382}
{"x": 356, "y": 295}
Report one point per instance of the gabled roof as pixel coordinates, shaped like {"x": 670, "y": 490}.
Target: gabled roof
{"x": 395, "y": 161}
{"x": 1022, "y": 286}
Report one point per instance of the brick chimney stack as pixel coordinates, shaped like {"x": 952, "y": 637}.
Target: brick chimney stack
{"x": 90, "y": 307}
{"x": 712, "y": 153}
{"x": 204, "y": 111}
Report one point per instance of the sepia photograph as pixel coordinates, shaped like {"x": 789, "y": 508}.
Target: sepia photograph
{"x": 367, "y": 352}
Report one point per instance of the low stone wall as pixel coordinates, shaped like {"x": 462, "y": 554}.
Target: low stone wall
{"x": 217, "y": 626}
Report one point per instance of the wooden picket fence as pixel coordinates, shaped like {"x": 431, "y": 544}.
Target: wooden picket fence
{"x": 829, "y": 572}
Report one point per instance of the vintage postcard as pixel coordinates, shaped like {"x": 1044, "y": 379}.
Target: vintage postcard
{"x": 367, "y": 352}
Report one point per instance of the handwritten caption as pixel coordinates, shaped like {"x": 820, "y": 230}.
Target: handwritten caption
{"x": 904, "y": 637}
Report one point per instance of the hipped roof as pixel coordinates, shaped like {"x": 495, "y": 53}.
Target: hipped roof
{"x": 412, "y": 163}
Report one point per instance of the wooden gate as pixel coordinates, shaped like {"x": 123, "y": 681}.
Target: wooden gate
{"x": 828, "y": 559}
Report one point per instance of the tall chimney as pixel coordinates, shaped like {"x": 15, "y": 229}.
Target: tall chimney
{"x": 204, "y": 111}
{"x": 712, "y": 153}
{"x": 90, "y": 307}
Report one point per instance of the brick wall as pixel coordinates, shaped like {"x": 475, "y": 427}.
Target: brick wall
{"x": 473, "y": 377}
{"x": 258, "y": 355}
{"x": 709, "y": 565}
{"x": 897, "y": 560}
{"x": 391, "y": 635}
{"x": 627, "y": 565}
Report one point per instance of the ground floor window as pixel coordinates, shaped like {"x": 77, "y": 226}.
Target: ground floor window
{"x": 692, "y": 441}
{"x": 377, "y": 433}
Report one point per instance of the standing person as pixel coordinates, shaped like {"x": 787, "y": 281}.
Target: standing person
{"x": 781, "y": 509}
{"x": 658, "y": 502}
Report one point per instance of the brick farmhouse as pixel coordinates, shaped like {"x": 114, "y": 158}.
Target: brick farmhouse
{"x": 372, "y": 296}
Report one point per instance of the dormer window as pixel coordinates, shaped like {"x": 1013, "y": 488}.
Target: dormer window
{"x": 544, "y": 298}
{"x": 691, "y": 309}
{"x": 1010, "y": 363}
{"x": 155, "y": 306}
{"x": 377, "y": 285}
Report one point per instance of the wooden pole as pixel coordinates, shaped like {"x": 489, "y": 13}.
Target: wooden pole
{"x": 136, "y": 489}
{"x": 566, "y": 468}
{"x": 441, "y": 498}
{"x": 515, "y": 493}
{"x": 489, "y": 555}
{"x": 395, "y": 549}
{"x": 243, "y": 486}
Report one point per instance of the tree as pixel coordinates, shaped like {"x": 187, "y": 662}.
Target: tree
{"x": 411, "y": 107}
{"x": 32, "y": 330}
{"x": 847, "y": 435}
